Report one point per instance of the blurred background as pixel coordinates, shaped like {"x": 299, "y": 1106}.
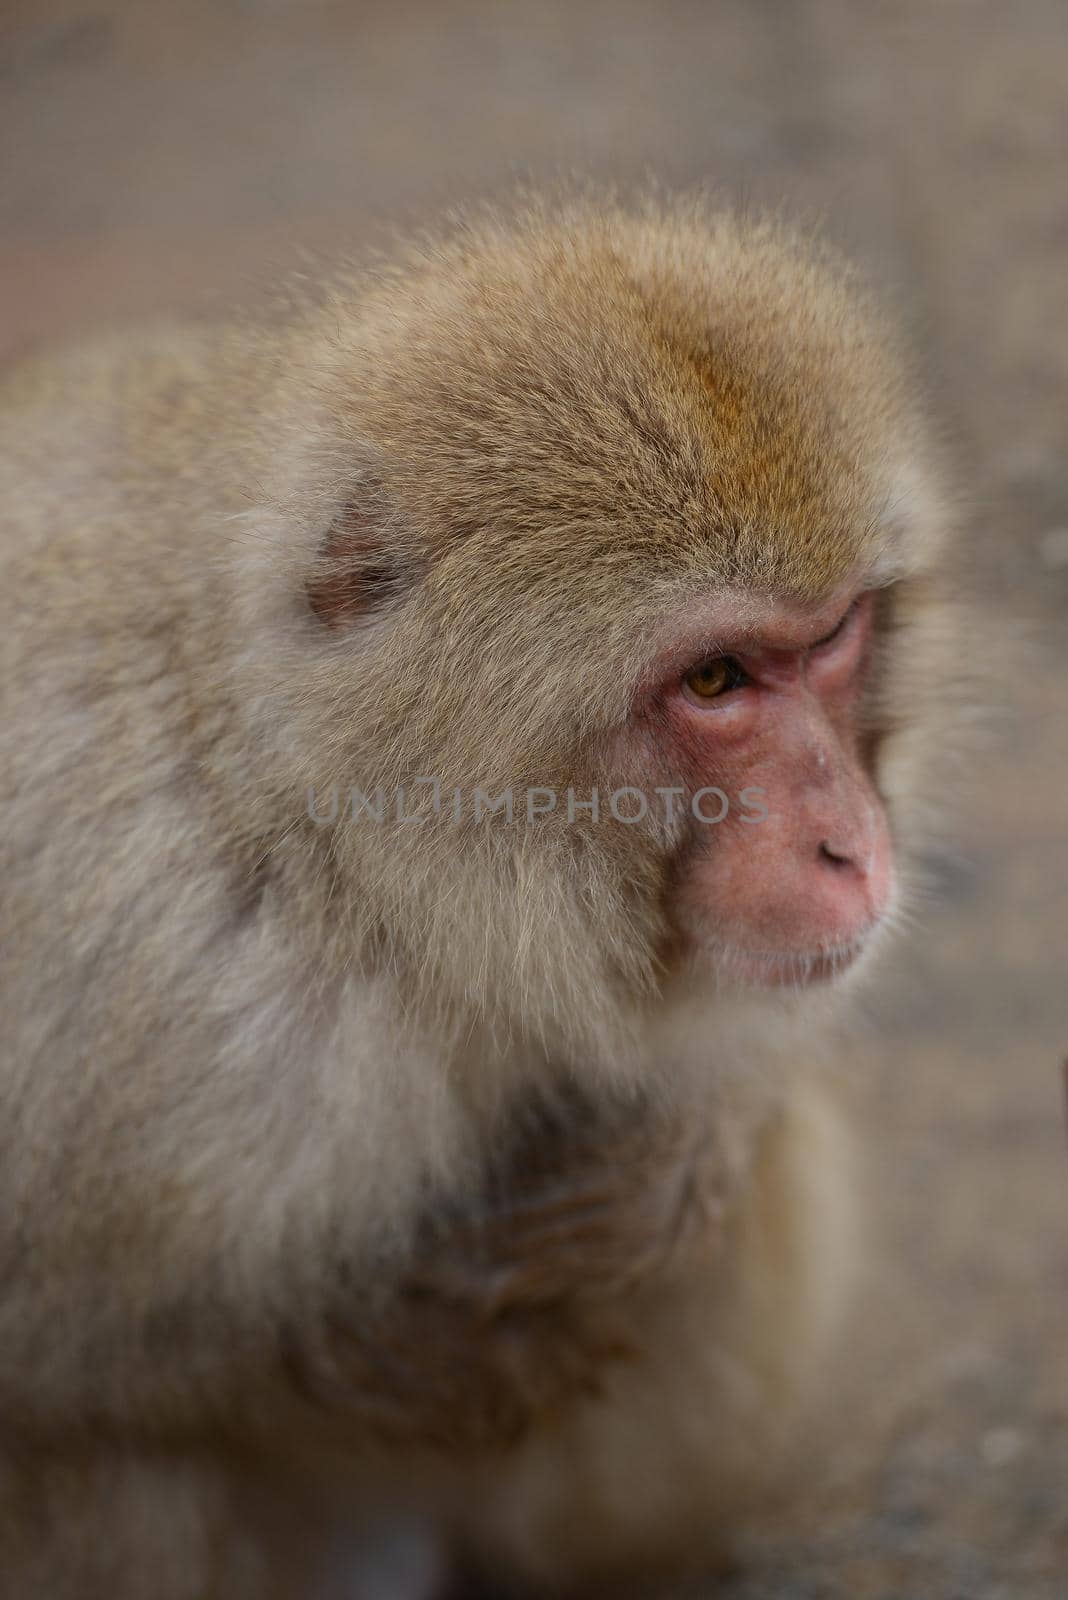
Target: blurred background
{"x": 159, "y": 156}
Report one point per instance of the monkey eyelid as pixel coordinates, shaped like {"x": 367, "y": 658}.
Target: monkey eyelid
{"x": 840, "y": 626}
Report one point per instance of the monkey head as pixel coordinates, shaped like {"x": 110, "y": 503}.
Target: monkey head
{"x": 627, "y": 501}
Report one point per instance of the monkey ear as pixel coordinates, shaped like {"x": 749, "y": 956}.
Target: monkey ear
{"x": 357, "y": 572}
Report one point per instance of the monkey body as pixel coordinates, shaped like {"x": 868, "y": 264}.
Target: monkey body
{"x": 398, "y": 1167}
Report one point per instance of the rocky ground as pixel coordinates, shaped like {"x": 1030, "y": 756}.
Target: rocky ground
{"x": 157, "y": 156}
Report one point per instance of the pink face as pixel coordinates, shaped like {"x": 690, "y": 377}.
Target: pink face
{"x": 774, "y": 707}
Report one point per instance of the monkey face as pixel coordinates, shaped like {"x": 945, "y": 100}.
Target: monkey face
{"x": 783, "y": 867}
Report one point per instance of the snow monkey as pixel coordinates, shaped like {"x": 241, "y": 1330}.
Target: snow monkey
{"x": 459, "y": 741}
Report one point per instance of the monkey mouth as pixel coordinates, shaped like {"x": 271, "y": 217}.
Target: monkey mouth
{"x": 779, "y": 969}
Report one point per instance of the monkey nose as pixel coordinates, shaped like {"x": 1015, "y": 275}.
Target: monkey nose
{"x": 840, "y": 854}
{"x": 857, "y": 859}
{"x": 849, "y": 844}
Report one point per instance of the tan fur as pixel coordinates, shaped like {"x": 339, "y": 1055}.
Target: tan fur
{"x": 385, "y": 1168}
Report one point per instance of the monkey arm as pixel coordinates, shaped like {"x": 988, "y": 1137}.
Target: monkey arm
{"x": 507, "y": 1311}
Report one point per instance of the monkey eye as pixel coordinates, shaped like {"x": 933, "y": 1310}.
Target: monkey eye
{"x": 714, "y": 677}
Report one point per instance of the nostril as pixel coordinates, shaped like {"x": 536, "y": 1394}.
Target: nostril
{"x": 833, "y": 857}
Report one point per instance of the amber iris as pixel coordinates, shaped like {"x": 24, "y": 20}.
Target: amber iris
{"x": 712, "y": 678}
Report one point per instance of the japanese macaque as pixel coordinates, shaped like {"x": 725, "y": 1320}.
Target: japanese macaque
{"x": 456, "y": 740}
